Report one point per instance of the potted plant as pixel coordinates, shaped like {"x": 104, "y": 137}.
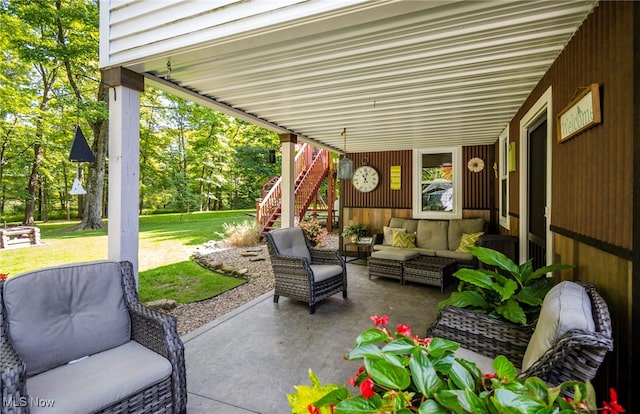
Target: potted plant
{"x": 403, "y": 373}
{"x": 508, "y": 291}
{"x": 354, "y": 231}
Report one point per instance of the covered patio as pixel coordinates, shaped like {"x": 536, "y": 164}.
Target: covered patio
{"x": 397, "y": 77}
{"x": 250, "y": 359}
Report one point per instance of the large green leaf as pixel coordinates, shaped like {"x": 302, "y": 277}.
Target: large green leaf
{"x": 431, "y": 407}
{"x": 494, "y": 258}
{"x": 425, "y": 377}
{"x": 461, "y": 377}
{"x": 546, "y": 269}
{"x": 359, "y": 405}
{"x": 478, "y": 277}
{"x": 504, "y": 368}
{"x": 370, "y": 336}
{"x": 387, "y": 374}
{"x": 402, "y": 345}
{"x": 363, "y": 351}
{"x": 507, "y": 290}
{"x": 440, "y": 346}
{"x": 468, "y": 298}
{"x": 512, "y": 311}
{"x": 509, "y": 401}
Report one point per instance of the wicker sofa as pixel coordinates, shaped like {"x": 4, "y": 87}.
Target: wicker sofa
{"x": 75, "y": 339}
{"x": 568, "y": 342}
{"x": 438, "y": 238}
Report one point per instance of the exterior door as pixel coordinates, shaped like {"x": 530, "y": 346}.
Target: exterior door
{"x": 537, "y": 179}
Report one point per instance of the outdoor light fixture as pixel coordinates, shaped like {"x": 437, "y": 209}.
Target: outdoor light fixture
{"x": 272, "y": 156}
{"x": 345, "y": 165}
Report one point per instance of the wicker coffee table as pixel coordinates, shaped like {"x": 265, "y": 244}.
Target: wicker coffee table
{"x": 389, "y": 263}
{"x": 434, "y": 271}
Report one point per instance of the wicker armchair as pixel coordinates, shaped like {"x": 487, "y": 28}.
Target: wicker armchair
{"x": 575, "y": 355}
{"x": 302, "y": 272}
{"x": 66, "y": 363}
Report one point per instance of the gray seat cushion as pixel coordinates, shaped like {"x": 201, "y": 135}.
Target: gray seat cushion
{"x": 290, "y": 242}
{"x": 324, "y": 272}
{"x": 63, "y": 313}
{"x": 98, "y": 381}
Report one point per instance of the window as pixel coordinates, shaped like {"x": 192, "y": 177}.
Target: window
{"x": 503, "y": 175}
{"x": 438, "y": 183}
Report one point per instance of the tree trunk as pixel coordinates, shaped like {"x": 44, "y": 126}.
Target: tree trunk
{"x": 32, "y": 186}
{"x": 92, "y": 217}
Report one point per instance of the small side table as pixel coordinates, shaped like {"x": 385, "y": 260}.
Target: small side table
{"x": 363, "y": 251}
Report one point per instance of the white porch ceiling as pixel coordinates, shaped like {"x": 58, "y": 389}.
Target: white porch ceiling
{"x": 396, "y": 74}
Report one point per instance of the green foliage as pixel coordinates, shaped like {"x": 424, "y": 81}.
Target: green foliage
{"x": 511, "y": 292}
{"x": 358, "y": 230}
{"x": 403, "y": 374}
{"x": 244, "y": 234}
{"x": 315, "y": 232}
{"x": 183, "y": 282}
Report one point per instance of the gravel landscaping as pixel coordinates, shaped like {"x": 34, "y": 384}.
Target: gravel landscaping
{"x": 250, "y": 263}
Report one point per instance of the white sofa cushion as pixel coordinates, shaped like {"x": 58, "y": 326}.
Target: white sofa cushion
{"x": 98, "y": 381}
{"x": 567, "y": 306}
{"x": 63, "y": 313}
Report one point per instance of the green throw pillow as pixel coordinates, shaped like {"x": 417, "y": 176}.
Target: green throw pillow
{"x": 468, "y": 240}
{"x": 402, "y": 239}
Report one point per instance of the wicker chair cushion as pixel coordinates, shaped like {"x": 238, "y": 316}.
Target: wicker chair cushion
{"x": 98, "y": 381}
{"x": 60, "y": 314}
{"x": 290, "y": 242}
{"x": 324, "y": 272}
{"x": 459, "y": 226}
{"x": 432, "y": 234}
{"x": 567, "y": 306}
{"x": 387, "y": 232}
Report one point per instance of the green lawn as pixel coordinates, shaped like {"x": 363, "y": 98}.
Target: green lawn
{"x": 166, "y": 242}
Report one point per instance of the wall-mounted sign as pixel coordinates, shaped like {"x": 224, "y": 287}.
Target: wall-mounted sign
{"x": 582, "y": 113}
{"x": 395, "y": 177}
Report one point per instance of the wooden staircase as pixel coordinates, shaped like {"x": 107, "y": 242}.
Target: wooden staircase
{"x": 311, "y": 166}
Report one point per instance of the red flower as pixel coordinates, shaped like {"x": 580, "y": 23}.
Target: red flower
{"x": 312, "y": 409}
{"x": 490, "y": 375}
{"x": 612, "y": 407}
{"x": 366, "y": 388}
{"x": 353, "y": 381}
{"x": 404, "y": 330}
{"x": 381, "y": 321}
{"x": 4, "y": 276}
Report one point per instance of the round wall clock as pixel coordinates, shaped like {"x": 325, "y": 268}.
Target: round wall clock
{"x": 475, "y": 164}
{"x": 365, "y": 179}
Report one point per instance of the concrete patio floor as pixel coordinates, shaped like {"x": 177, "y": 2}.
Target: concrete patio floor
{"x": 250, "y": 359}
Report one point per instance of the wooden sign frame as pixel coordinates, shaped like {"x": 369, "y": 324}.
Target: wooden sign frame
{"x": 582, "y": 113}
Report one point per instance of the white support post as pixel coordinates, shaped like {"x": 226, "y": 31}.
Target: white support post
{"x": 287, "y": 216}
{"x": 124, "y": 173}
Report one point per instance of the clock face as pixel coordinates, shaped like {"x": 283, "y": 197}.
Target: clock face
{"x": 365, "y": 179}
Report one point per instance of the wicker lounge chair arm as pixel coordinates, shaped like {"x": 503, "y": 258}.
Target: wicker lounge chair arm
{"x": 482, "y": 333}
{"x": 158, "y": 332}
{"x": 13, "y": 376}
{"x": 325, "y": 256}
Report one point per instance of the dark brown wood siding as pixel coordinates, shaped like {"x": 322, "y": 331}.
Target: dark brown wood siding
{"x": 382, "y": 196}
{"x": 477, "y": 187}
{"x": 592, "y": 174}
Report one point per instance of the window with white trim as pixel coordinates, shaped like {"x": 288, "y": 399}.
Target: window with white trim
{"x": 503, "y": 175}
{"x": 437, "y": 176}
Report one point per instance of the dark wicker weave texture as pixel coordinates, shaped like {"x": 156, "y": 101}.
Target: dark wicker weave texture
{"x": 155, "y": 330}
{"x": 295, "y": 279}
{"x": 577, "y": 355}
{"x": 385, "y": 268}
{"x": 434, "y": 271}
